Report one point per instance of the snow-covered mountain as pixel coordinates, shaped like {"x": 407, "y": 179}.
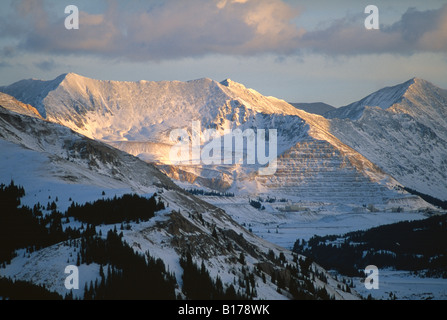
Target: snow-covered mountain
{"x": 384, "y": 98}
{"x": 402, "y": 129}
{"x": 137, "y": 117}
{"x": 116, "y": 111}
{"x": 51, "y": 161}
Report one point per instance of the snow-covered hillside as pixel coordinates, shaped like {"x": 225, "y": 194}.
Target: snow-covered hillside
{"x": 47, "y": 157}
{"x": 406, "y": 136}
{"x": 51, "y": 161}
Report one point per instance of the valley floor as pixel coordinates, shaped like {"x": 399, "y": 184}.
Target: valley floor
{"x": 284, "y": 228}
{"x": 404, "y": 286}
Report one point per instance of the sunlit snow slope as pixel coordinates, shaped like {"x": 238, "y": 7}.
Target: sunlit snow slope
{"x": 403, "y": 130}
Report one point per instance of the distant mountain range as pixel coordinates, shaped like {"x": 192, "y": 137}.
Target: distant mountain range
{"x": 319, "y": 108}
{"x": 318, "y": 158}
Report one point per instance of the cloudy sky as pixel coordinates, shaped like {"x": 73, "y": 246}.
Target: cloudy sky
{"x": 300, "y": 51}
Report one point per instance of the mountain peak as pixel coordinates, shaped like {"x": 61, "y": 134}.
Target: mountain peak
{"x": 32, "y": 91}
{"x": 422, "y": 83}
{"x": 383, "y": 98}
{"x": 227, "y": 82}
{"x": 232, "y": 84}
{"x": 419, "y": 82}
{"x": 65, "y": 77}
{"x": 69, "y": 75}
{"x": 75, "y": 78}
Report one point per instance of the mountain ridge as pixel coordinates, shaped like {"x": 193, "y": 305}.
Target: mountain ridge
{"x": 124, "y": 114}
{"x": 319, "y": 108}
{"x": 12, "y": 104}
{"x": 407, "y": 139}
{"x": 385, "y": 98}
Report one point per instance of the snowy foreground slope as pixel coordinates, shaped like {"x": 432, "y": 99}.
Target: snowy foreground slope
{"x": 52, "y": 161}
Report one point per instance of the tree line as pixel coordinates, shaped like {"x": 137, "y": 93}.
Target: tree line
{"x": 198, "y": 284}
{"x": 432, "y": 200}
{"x": 23, "y": 227}
{"x": 200, "y": 192}
{"x": 22, "y": 290}
{"x": 129, "y": 276}
{"x": 110, "y": 211}
{"x": 419, "y": 246}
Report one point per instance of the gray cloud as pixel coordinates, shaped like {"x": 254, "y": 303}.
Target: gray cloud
{"x": 414, "y": 24}
{"x": 4, "y": 65}
{"x": 416, "y": 31}
{"x": 46, "y": 65}
{"x": 178, "y": 28}
{"x": 172, "y": 29}
{"x": 7, "y": 51}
